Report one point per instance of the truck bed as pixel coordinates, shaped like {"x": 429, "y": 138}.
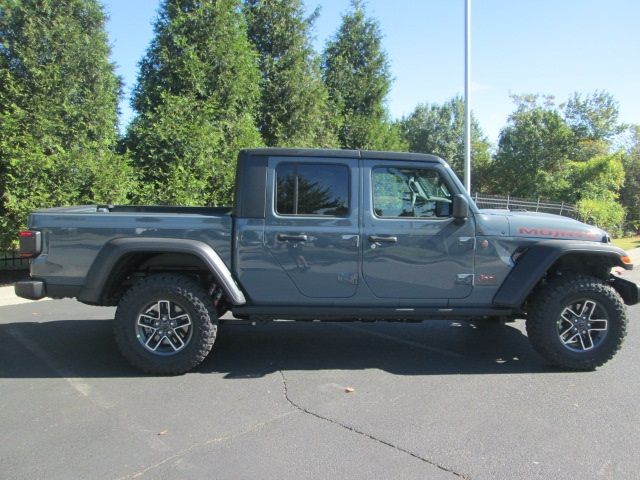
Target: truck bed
{"x": 73, "y": 236}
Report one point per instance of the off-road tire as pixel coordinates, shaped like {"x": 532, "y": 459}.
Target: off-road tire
{"x": 187, "y": 293}
{"x": 548, "y": 304}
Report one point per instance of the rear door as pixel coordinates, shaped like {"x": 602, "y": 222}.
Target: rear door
{"x": 312, "y": 224}
{"x": 412, "y": 247}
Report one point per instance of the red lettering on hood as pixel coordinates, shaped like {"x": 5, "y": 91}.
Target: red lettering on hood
{"x": 547, "y": 232}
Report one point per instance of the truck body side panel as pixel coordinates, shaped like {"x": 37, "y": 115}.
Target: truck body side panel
{"x": 72, "y": 238}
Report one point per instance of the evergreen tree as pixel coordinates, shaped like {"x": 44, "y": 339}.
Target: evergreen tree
{"x": 58, "y": 110}
{"x": 293, "y": 109}
{"x": 356, "y": 72}
{"x": 196, "y": 100}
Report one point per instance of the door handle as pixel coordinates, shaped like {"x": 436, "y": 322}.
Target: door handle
{"x": 355, "y": 239}
{"x": 467, "y": 241}
{"x": 285, "y": 237}
{"x": 383, "y": 239}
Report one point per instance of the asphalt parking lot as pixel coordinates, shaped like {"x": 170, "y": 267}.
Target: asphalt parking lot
{"x": 433, "y": 400}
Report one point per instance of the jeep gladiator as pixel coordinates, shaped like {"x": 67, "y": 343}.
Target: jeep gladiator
{"x": 331, "y": 235}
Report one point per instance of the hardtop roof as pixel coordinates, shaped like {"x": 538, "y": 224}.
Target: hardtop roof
{"x": 336, "y": 153}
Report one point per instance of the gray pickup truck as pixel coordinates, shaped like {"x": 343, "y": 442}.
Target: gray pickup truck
{"x": 332, "y": 235}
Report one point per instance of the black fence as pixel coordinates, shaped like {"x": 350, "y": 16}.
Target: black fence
{"x": 530, "y": 205}
{"x": 11, "y": 261}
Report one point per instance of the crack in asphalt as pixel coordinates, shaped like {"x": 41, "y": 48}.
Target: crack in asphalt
{"x": 365, "y": 434}
{"x": 211, "y": 441}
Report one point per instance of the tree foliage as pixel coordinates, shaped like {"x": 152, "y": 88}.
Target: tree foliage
{"x": 602, "y": 213}
{"x": 593, "y": 116}
{"x": 356, "y": 72}
{"x": 223, "y": 75}
{"x": 196, "y": 100}
{"x": 593, "y": 120}
{"x": 439, "y": 129}
{"x": 294, "y": 109}
{"x": 565, "y": 153}
{"x": 532, "y": 148}
{"x": 630, "y": 192}
{"x": 58, "y": 110}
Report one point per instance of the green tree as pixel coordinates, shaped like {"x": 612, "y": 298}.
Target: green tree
{"x": 294, "y": 108}
{"x": 630, "y": 192}
{"x": 356, "y": 72}
{"x": 564, "y": 153}
{"x": 593, "y": 120}
{"x": 533, "y": 147}
{"x": 196, "y": 100}
{"x": 58, "y": 110}
{"x": 599, "y": 178}
{"x": 439, "y": 129}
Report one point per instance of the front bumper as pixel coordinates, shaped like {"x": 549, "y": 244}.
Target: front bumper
{"x": 31, "y": 289}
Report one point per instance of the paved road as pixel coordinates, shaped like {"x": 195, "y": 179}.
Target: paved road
{"x": 434, "y": 400}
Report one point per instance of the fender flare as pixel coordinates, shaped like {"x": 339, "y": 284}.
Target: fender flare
{"x": 114, "y": 250}
{"x": 534, "y": 263}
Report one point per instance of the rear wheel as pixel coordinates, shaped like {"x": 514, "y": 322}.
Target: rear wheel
{"x": 165, "y": 324}
{"x": 577, "y": 322}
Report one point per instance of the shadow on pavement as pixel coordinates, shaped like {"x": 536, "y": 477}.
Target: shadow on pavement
{"x": 85, "y": 348}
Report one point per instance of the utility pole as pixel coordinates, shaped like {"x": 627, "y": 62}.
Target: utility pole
{"x": 467, "y": 93}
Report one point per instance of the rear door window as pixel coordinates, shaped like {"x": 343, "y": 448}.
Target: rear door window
{"x": 312, "y": 189}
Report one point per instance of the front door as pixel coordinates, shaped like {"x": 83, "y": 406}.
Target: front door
{"x": 312, "y": 228}
{"x": 412, "y": 247}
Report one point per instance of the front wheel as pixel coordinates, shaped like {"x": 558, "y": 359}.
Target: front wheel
{"x": 165, "y": 324}
{"x": 577, "y": 322}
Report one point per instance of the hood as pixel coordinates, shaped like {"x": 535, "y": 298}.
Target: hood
{"x": 547, "y": 225}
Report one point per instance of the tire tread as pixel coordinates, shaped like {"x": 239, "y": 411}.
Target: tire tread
{"x": 199, "y": 301}
{"x": 545, "y": 304}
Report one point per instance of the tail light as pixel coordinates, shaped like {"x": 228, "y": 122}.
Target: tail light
{"x": 30, "y": 243}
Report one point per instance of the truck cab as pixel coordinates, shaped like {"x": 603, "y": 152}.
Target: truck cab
{"x": 368, "y": 229}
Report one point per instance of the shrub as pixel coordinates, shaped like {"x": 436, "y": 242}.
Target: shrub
{"x": 604, "y": 214}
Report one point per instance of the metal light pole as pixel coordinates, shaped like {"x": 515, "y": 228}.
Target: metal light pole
{"x": 467, "y": 93}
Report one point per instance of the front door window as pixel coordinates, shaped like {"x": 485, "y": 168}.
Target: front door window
{"x": 410, "y": 192}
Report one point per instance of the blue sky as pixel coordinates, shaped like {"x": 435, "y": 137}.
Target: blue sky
{"x": 519, "y": 46}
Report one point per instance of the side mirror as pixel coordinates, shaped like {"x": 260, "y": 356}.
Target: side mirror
{"x": 460, "y": 207}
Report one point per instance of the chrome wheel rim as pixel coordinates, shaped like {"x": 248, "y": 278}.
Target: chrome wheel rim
{"x": 583, "y": 325}
{"x": 164, "y": 327}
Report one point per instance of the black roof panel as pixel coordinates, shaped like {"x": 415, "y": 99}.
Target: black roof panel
{"x": 335, "y": 153}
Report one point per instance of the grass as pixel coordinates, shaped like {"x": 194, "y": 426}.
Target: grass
{"x": 627, "y": 243}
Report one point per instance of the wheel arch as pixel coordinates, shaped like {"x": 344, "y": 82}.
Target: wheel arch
{"x": 554, "y": 257}
{"x": 123, "y": 256}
